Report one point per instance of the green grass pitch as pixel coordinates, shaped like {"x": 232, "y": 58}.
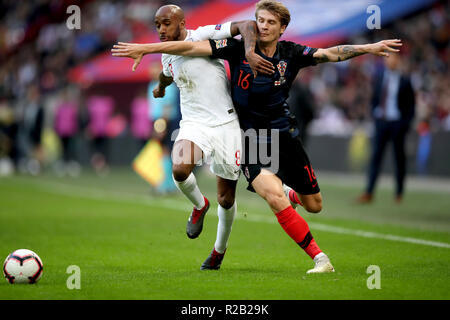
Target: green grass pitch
{"x": 131, "y": 244}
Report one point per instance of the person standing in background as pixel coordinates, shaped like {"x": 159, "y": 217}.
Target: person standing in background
{"x": 66, "y": 125}
{"x": 393, "y": 105}
{"x": 165, "y": 115}
{"x": 141, "y": 124}
{"x": 423, "y": 146}
{"x": 8, "y": 139}
{"x": 30, "y": 132}
{"x": 100, "y": 109}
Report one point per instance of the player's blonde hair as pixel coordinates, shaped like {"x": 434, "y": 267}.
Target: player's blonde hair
{"x": 276, "y": 8}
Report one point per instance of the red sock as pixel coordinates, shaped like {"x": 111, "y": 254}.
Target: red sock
{"x": 297, "y": 228}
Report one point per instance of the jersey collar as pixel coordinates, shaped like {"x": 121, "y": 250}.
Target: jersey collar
{"x": 275, "y": 55}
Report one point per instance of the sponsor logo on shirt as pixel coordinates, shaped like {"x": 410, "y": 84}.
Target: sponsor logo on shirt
{"x": 221, "y": 43}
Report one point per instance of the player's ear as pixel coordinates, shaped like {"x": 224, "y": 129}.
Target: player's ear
{"x": 182, "y": 23}
{"x": 283, "y": 29}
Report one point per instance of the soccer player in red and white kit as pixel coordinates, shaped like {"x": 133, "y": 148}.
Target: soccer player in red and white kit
{"x": 209, "y": 129}
{"x": 260, "y": 101}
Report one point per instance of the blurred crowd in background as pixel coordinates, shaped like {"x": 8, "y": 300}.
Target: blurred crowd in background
{"x": 342, "y": 91}
{"x": 37, "y": 50}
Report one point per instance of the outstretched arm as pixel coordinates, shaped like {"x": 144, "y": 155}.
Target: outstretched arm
{"x": 246, "y": 28}
{"x": 249, "y": 31}
{"x": 345, "y": 52}
{"x": 136, "y": 51}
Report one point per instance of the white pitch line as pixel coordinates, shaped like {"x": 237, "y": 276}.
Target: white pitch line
{"x": 174, "y": 204}
{"x": 359, "y": 233}
{"x": 375, "y": 235}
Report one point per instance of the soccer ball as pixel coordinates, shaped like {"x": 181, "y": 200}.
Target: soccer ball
{"x": 23, "y": 266}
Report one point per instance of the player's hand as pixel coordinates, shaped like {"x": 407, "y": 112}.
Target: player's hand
{"x": 159, "y": 92}
{"x": 129, "y": 50}
{"x": 259, "y": 64}
{"x": 383, "y": 48}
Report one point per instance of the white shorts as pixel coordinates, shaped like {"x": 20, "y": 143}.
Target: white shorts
{"x": 221, "y": 146}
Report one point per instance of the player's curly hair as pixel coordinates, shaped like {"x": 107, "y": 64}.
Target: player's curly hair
{"x": 276, "y": 8}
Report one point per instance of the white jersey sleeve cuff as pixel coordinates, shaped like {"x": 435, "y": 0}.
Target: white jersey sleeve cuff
{"x": 226, "y": 29}
{"x": 215, "y": 32}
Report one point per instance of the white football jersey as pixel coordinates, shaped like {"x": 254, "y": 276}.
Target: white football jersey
{"x": 203, "y": 83}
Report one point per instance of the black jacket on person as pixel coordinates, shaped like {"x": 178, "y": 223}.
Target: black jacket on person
{"x": 405, "y": 97}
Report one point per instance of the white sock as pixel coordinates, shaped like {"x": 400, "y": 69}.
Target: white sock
{"x": 319, "y": 255}
{"x": 226, "y": 217}
{"x": 190, "y": 189}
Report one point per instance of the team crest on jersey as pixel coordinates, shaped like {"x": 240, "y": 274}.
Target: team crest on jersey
{"x": 218, "y": 26}
{"x": 282, "y": 69}
{"x": 221, "y": 43}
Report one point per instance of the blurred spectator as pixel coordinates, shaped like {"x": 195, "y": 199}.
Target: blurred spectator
{"x": 165, "y": 109}
{"x": 393, "y": 106}
{"x": 100, "y": 109}
{"x": 117, "y": 125}
{"x": 8, "y": 139}
{"x": 423, "y": 147}
{"x": 345, "y": 88}
{"x": 165, "y": 115}
{"x": 141, "y": 124}
{"x": 66, "y": 124}
{"x": 31, "y": 120}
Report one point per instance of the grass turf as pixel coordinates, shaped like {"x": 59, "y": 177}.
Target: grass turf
{"x": 130, "y": 244}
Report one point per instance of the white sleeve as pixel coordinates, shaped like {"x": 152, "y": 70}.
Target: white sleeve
{"x": 165, "y": 64}
{"x": 216, "y": 32}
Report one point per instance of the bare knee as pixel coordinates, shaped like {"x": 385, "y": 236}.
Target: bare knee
{"x": 225, "y": 200}
{"x": 313, "y": 207}
{"x": 270, "y": 188}
{"x": 180, "y": 172}
{"x": 312, "y": 203}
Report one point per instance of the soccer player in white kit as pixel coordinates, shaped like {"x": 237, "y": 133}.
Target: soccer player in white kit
{"x": 209, "y": 129}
